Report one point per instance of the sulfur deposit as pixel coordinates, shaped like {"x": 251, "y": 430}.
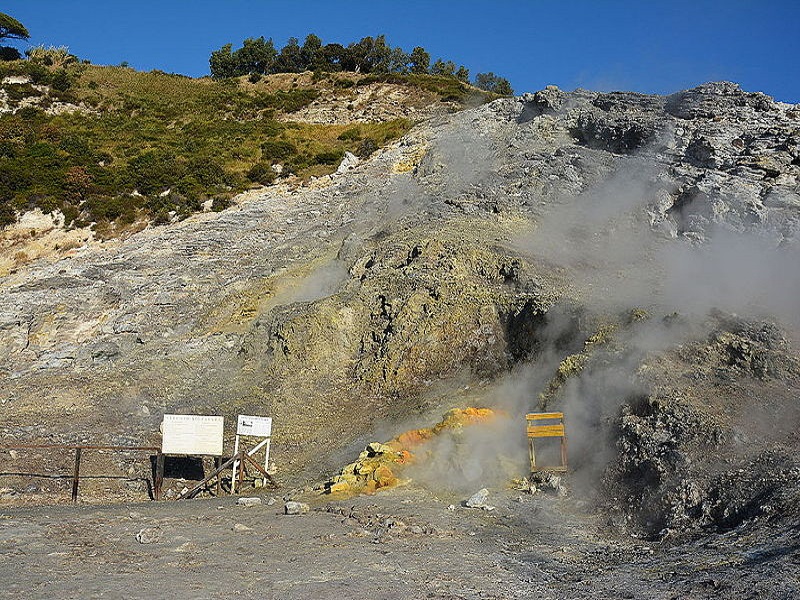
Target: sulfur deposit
{"x": 379, "y": 464}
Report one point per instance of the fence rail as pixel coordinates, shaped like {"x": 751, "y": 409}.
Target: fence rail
{"x": 158, "y": 477}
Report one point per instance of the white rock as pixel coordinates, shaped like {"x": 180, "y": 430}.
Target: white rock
{"x": 478, "y": 499}
{"x": 296, "y": 508}
{"x": 149, "y": 535}
{"x": 349, "y": 161}
{"x": 249, "y": 501}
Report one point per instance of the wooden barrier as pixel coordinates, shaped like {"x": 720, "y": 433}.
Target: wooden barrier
{"x": 239, "y": 459}
{"x": 537, "y": 429}
{"x": 158, "y": 477}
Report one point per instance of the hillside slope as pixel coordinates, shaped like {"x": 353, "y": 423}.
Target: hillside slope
{"x": 107, "y": 151}
{"x": 585, "y": 251}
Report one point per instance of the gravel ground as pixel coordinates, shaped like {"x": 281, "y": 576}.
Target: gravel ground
{"x": 404, "y": 543}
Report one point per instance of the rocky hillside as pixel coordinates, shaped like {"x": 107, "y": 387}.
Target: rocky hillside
{"x": 628, "y": 258}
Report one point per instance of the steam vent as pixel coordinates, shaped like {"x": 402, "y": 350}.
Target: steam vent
{"x": 239, "y": 283}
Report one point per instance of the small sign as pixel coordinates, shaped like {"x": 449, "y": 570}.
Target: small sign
{"x": 192, "y": 434}
{"x": 257, "y": 426}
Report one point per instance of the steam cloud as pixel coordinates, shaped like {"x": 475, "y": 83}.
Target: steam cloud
{"x": 617, "y": 259}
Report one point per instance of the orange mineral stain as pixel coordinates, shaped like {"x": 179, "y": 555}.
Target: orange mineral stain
{"x": 378, "y": 464}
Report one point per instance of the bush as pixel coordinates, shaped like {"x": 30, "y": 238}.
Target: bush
{"x": 60, "y": 81}
{"x": 287, "y": 101}
{"x": 352, "y": 134}
{"x": 77, "y": 146}
{"x": 333, "y": 157}
{"x": 122, "y": 208}
{"x": 261, "y": 173}
{"x": 7, "y": 215}
{"x": 207, "y": 171}
{"x": 52, "y": 56}
{"x": 14, "y": 177}
{"x": 277, "y": 150}
{"x": 17, "y": 91}
{"x": 154, "y": 171}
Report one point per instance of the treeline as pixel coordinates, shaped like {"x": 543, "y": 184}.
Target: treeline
{"x": 258, "y": 57}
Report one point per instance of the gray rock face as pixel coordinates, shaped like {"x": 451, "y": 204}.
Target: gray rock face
{"x": 349, "y": 161}
{"x": 546, "y": 101}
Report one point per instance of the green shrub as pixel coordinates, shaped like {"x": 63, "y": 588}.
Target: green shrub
{"x": 70, "y": 212}
{"x": 207, "y": 171}
{"x": 220, "y": 204}
{"x": 352, "y": 134}
{"x": 30, "y": 113}
{"x": 287, "y": 101}
{"x": 277, "y": 150}
{"x": 8, "y": 149}
{"x": 60, "y": 81}
{"x": 261, "y": 173}
{"x": 77, "y": 146}
{"x": 18, "y": 91}
{"x": 154, "y": 171}
{"x": 122, "y": 208}
{"x": 333, "y": 157}
{"x": 7, "y": 214}
{"x": 51, "y": 57}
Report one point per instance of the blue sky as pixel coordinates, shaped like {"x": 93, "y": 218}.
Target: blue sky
{"x": 642, "y": 45}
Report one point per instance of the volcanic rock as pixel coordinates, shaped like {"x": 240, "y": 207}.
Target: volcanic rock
{"x": 296, "y": 508}
{"x": 478, "y": 500}
{"x": 149, "y": 535}
{"x": 249, "y": 501}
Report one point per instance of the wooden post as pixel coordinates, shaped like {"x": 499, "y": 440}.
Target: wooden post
{"x": 242, "y": 454}
{"x": 190, "y": 493}
{"x": 266, "y": 461}
{"x": 158, "y": 478}
{"x": 235, "y": 464}
{"x": 532, "y": 454}
{"x": 76, "y": 474}
{"x": 217, "y": 462}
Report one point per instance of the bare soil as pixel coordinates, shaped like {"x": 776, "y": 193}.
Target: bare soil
{"x": 401, "y": 543}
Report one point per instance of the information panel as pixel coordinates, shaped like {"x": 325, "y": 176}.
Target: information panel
{"x": 192, "y": 434}
{"x": 257, "y": 426}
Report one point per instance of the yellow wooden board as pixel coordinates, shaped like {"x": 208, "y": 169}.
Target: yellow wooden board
{"x": 546, "y": 431}
{"x": 542, "y": 416}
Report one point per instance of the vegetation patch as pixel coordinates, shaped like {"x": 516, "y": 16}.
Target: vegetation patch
{"x": 157, "y": 146}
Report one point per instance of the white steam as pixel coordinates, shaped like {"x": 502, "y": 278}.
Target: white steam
{"x": 618, "y": 257}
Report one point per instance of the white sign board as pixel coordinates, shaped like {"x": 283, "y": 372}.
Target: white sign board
{"x": 257, "y": 426}
{"x": 192, "y": 434}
